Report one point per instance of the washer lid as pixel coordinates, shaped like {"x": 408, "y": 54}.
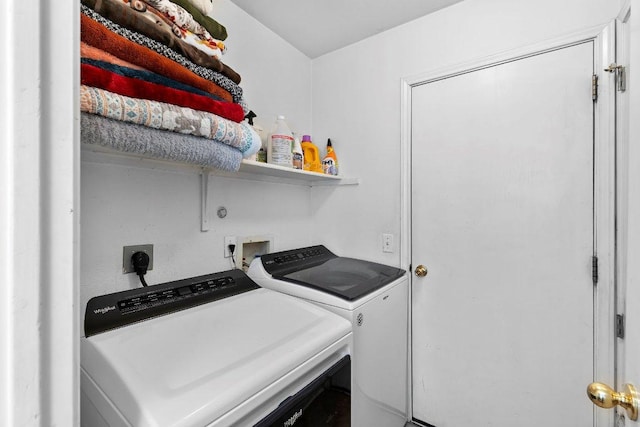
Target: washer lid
{"x": 191, "y": 367}
{"x": 318, "y": 268}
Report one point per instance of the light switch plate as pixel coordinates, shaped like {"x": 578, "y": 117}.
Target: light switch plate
{"x": 387, "y": 242}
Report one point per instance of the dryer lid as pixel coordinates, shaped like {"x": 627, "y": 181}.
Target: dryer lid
{"x": 192, "y": 366}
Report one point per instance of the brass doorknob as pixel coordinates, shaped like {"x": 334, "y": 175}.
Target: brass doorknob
{"x": 421, "y": 271}
{"x": 605, "y": 397}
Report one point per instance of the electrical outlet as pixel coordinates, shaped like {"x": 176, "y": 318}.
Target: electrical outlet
{"x": 128, "y": 251}
{"x": 387, "y": 242}
{"x": 229, "y": 240}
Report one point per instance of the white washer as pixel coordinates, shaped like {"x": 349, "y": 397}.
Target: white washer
{"x": 374, "y": 298}
{"x": 213, "y": 350}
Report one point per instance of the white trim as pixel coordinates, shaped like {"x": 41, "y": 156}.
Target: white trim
{"x": 39, "y": 183}
{"x": 582, "y": 36}
{"x": 604, "y": 199}
{"x": 622, "y": 190}
{"x": 625, "y": 12}
{"x": 601, "y": 36}
{"x": 405, "y": 231}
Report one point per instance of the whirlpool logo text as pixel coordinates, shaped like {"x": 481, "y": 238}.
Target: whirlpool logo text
{"x": 104, "y": 310}
{"x": 291, "y": 421}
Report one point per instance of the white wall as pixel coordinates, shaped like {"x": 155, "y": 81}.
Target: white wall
{"x": 356, "y": 102}
{"x": 123, "y": 204}
{"x": 276, "y": 77}
{"x": 352, "y": 96}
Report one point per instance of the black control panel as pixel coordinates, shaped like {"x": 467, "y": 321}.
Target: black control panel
{"x": 120, "y": 309}
{"x": 281, "y": 263}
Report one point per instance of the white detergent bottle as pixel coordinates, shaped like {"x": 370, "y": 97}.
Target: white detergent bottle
{"x": 297, "y": 153}
{"x": 279, "y": 145}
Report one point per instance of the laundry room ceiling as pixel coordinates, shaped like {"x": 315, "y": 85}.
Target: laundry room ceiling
{"x": 316, "y": 27}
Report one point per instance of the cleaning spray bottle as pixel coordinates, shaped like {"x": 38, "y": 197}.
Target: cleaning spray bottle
{"x": 279, "y": 144}
{"x": 261, "y": 155}
{"x": 312, "y": 161}
{"x": 330, "y": 161}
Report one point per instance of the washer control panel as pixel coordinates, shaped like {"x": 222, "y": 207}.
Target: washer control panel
{"x": 120, "y": 309}
{"x": 281, "y": 263}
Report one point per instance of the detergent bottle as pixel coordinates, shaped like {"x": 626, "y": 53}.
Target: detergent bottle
{"x": 311, "y": 155}
{"x": 279, "y": 144}
{"x": 330, "y": 161}
{"x": 297, "y": 153}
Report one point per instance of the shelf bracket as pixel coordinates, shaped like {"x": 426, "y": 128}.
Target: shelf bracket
{"x": 204, "y": 200}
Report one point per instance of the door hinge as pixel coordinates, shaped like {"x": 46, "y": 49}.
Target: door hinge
{"x": 594, "y": 269}
{"x": 594, "y": 87}
{"x": 620, "y": 325}
{"x": 620, "y": 75}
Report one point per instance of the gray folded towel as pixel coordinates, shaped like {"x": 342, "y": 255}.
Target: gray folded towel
{"x": 158, "y": 144}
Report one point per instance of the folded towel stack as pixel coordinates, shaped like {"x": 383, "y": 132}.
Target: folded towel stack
{"x": 156, "y": 64}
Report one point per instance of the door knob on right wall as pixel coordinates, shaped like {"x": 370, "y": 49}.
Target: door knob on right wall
{"x": 605, "y": 397}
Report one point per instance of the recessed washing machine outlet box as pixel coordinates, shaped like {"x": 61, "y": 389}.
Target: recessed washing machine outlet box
{"x": 127, "y": 253}
{"x": 250, "y": 247}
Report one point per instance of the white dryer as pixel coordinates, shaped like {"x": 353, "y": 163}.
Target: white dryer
{"x": 374, "y": 298}
{"x": 213, "y": 350}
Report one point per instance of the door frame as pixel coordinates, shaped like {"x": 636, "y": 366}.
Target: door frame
{"x": 39, "y": 214}
{"x": 623, "y": 50}
{"x": 603, "y": 39}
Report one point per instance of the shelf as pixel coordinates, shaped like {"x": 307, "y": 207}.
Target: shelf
{"x": 249, "y": 170}
{"x": 281, "y": 173}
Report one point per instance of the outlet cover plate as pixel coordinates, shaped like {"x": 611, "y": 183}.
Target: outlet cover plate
{"x": 128, "y": 251}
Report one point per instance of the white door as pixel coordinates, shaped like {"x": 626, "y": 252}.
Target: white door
{"x": 502, "y": 217}
{"x": 628, "y": 222}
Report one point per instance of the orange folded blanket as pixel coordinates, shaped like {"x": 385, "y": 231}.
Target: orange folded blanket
{"x": 95, "y": 34}
{"x": 87, "y": 51}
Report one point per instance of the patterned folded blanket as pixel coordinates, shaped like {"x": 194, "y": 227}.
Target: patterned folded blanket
{"x": 184, "y": 20}
{"x": 163, "y": 50}
{"x": 139, "y": 17}
{"x": 159, "y": 115}
{"x": 201, "y": 15}
{"x": 98, "y": 36}
{"x": 158, "y": 144}
{"x": 134, "y": 83}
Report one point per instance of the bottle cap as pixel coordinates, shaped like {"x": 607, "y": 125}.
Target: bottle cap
{"x": 306, "y": 138}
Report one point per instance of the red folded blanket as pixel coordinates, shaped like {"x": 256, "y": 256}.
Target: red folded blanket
{"x": 97, "y": 35}
{"x": 136, "y": 88}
